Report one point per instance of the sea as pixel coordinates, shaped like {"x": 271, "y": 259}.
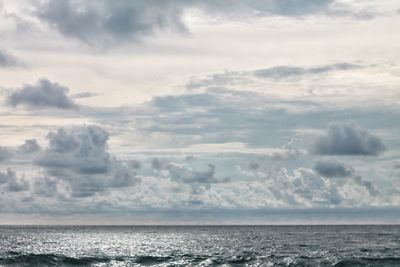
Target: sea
{"x": 346, "y": 245}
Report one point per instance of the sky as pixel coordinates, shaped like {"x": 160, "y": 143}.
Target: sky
{"x": 199, "y": 112}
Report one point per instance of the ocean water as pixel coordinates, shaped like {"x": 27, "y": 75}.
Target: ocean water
{"x": 200, "y": 246}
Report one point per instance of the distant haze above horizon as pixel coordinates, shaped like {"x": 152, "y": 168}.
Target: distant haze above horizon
{"x": 199, "y": 112}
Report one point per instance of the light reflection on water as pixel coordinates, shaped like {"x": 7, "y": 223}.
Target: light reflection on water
{"x": 200, "y": 246}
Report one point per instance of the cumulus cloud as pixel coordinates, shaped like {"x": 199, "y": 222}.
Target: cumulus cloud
{"x": 12, "y": 182}
{"x": 44, "y": 94}
{"x": 46, "y": 186}
{"x": 7, "y": 60}
{"x": 348, "y": 139}
{"x": 30, "y": 146}
{"x": 181, "y": 173}
{"x": 198, "y": 180}
{"x": 286, "y": 154}
{"x": 78, "y": 156}
{"x": 368, "y": 185}
{"x": 304, "y": 187}
{"x": 333, "y": 168}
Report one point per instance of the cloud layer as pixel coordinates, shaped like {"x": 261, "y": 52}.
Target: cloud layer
{"x": 169, "y": 107}
{"x": 104, "y": 23}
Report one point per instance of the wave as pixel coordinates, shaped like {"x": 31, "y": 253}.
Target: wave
{"x": 20, "y": 259}
{"x": 364, "y": 261}
{"x": 31, "y": 259}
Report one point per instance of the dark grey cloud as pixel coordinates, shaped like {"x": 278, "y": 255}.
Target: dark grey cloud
{"x": 396, "y": 164}
{"x": 30, "y": 146}
{"x": 135, "y": 164}
{"x": 333, "y": 168}
{"x": 105, "y": 23}
{"x": 45, "y": 186}
{"x": 157, "y": 164}
{"x": 84, "y": 95}
{"x": 253, "y": 8}
{"x": 254, "y": 165}
{"x": 12, "y": 182}
{"x": 7, "y": 60}
{"x": 219, "y": 115}
{"x": 18, "y": 185}
{"x": 78, "y": 156}
{"x": 282, "y": 72}
{"x": 5, "y": 154}
{"x": 348, "y": 139}
{"x": 5, "y": 177}
{"x": 44, "y": 94}
{"x": 368, "y": 185}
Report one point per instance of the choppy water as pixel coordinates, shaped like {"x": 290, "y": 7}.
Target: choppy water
{"x": 201, "y": 246}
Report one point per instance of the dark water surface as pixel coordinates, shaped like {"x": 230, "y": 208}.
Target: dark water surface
{"x": 200, "y": 246}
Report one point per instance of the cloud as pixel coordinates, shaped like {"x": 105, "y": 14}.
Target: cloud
{"x": 183, "y": 174}
{"x": 134, "y": 164}
{"x": 282, "y": 72}
{"x": 215, "y": 116}
{"x": 333, "y": 168}
{"x": 253, "y": 8}
{"x": 84, "y": 95}
{"x": 46, "y": 186}
{"x": 12, "y": 182}
{"x": 103, "y": 23}
{"x": 179, "y": 173}
{"x": 5, "y": 154}
{"x": 7, "y": 60}
{"x": 6, "y": 176}
{"x": 277, "y": 73}
{"x": 44, "y": 94}
{"x": 30, "y": 146}
{"x": 348, "y": 139}
{"x": 396, "y": 164}
{"x": 254, "y": 166}
{"x": 286, "y": 154}
{"x": 369, "y": 186}
{"x": 78, "y": 157}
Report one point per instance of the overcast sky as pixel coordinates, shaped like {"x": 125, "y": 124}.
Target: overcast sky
{"x": 176, "y": 112}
